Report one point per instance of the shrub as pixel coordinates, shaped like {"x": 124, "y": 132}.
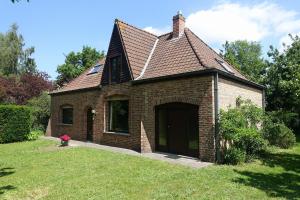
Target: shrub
{"x": 279, "y": 135}
{"x": 240, "y": 131}
{"x": 15, "y": 122}
{"x": 34, "y": 135}
{"x": 250, "y": 141}
{"x": 40, "y": 107}
{"x": 234, "y": 156}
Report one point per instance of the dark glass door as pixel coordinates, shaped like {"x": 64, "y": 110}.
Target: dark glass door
{"x": 177, "y": 129}
{"x": 89, "y": 125}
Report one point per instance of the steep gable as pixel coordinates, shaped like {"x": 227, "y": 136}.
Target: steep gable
{"x": 116, "y": 48}
{"x": 138, "y": 44}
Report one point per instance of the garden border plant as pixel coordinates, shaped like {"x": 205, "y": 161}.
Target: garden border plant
{"x": 246, "y": 131}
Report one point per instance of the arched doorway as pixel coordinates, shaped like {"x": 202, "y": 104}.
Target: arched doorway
{"x": 177, "y": 130}
{"x": 89, "y": 125}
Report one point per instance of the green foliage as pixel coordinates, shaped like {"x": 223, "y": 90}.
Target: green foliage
{"x": 283, "y": 79}
{"x": 76, "y": 63}
{"x": 34, "y": 135}
{"x": 14, "y": 59}
{"x": 40, "y": 107}
{"x": 250, "y": 141}
{"x": 279, "y": 135}
{"x": 15, "y": 122}
{"x": 234, "y": 156}
{"x": 245, "y": 56}
{"x": 239, "y": 129}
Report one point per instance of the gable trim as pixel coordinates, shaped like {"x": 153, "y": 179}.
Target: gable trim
{"x": 148, "y": 60}
{"x": 124, "y": 49}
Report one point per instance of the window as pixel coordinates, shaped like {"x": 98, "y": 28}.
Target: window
{"x": 118, "y": 116}
{"x": 95, "y": 69}
{"x": 115, "y": 69}
{"x": 67, "y": 115}
{"x": 224, "y": 65}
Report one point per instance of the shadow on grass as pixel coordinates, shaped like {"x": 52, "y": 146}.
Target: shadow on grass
{"x": 5, "y": 172}
{"x": 6, "y": 188}
{"x": 285, "y": 184}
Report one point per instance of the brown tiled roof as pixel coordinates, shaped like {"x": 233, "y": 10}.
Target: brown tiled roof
{"x": 183, "y": 54}
{"x": 138, "y": 45}
{"x": 84, "y": 81}
{"x": 172, "y": 56}
{"x": 150, "y": 56}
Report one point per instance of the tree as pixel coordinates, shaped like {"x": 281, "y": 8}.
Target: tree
{"x": 14, "y": 59}
{"x": 283, "y": 79}
{"x": 247, "y": 57}
{"x": 40, "y": 107}
{"x": 76, "y": 63}
{"x": 18, "y": 90}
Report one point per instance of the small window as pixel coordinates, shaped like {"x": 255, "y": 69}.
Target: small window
{"x": 95, "y": 69}
{"x": 118, "y": 116}
{"x": 67, "y": 115}
{"x": 224, "y": 65}
{"x": 115, "y": 69}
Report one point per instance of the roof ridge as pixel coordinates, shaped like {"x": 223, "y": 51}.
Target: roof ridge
{"x": 118, "y": 20}
{"x": 201, "y": 60}
{"x": 215, "y": 52}
{"x": 165, "y": 34}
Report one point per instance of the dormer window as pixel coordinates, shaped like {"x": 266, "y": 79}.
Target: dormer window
{"x": 115, "y": 69}
{"x": 95, "y": 69}
{"x": 224, "y": 65}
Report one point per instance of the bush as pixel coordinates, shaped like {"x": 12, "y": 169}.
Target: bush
{"x": 234, "y": 156}
{"x": 15, "y": 123}
{"x": 240, "y": 132}
{"x": 279, "y": 135}
{"x": 40, "y": 107}
{"x": 34, "y": 135}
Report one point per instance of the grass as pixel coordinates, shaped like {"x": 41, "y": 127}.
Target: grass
{"x": 41, "y": 170}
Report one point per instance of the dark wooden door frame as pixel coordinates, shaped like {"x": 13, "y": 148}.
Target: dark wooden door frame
{"x": 175, "y": 105}
{"x": 89, "y": 124}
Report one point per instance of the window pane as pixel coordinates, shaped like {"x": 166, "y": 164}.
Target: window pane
{"x": 115, "y": 64}
{"x": 118, "y": 116}
{"x": 67, "y": 115}
{"x": 162, "y": 126}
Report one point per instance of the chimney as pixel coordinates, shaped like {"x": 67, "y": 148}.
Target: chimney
{"x": 178, "y": 24}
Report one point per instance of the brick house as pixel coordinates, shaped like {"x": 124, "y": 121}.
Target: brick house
{"x": 152, "y": 93}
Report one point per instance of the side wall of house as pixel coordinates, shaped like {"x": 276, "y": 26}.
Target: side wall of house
{"x": 230, "y": 90}
{"x": 196, "y": 90}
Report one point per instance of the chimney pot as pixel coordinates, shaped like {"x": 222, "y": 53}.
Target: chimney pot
{"x": 178, "y": 24}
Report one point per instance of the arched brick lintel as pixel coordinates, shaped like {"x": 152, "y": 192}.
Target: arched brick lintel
{"x": 180, "y": 99}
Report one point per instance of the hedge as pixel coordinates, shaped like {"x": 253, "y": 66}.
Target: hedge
{"x": 15, "y": 123}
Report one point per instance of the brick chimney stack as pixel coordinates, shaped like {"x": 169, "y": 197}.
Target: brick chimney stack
{"x": 178, "y": 24}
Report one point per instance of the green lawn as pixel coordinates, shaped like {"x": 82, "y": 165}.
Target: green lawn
{"x": 41, "y": 170}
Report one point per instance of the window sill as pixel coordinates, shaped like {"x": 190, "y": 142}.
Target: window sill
{"x": 117, "y": 133}
{"x": 61, "y": 124}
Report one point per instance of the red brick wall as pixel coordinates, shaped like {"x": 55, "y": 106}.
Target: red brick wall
{"x": 197, "y": 91}
{"x": 142, "y": 100}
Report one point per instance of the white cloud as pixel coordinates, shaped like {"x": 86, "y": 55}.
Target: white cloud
{"x": 286, "y": 39}
{"x": 234, "y": 21}
{"x": 157, "y": 31}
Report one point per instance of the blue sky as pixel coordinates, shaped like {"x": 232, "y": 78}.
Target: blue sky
{"x": 56, "y": 27}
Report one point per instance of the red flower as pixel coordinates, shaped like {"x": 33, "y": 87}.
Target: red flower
{"x": 65, "y": 138}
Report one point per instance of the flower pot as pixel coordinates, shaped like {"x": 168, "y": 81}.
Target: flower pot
{"x": 64, "y": 143}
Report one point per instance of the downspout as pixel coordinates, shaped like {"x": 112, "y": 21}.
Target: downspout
{"x": 216, "y": 103}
